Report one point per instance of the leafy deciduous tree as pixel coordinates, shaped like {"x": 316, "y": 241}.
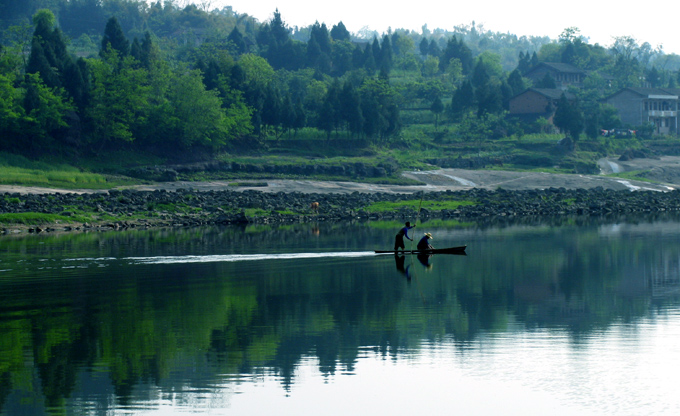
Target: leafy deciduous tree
{"x": 119, "y": 99}
{"x": 45, "y": 112}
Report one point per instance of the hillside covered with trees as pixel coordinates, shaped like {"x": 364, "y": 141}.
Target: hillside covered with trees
{"x": 82, "y": 78}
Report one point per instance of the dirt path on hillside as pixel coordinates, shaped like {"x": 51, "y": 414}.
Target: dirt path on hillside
{"x": 665, "y": 170}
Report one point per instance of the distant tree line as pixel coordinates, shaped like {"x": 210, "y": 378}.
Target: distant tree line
{"x": 89, "y": 76}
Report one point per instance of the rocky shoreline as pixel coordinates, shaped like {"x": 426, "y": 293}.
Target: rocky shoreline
{"x": 126, "y": 209}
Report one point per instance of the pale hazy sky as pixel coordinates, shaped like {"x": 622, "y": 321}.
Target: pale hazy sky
{"x": 599, "y": 21}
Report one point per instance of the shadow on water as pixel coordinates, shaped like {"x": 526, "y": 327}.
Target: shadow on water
{"x": 168, "y": 307}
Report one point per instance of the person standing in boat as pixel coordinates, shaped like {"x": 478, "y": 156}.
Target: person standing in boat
{"x": 399, "y": 239}
{"x": 424, "y": 243}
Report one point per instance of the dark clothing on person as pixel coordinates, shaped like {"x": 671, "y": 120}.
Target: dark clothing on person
{"x": 424, "y": 244}
{"x": 399, "y": 239}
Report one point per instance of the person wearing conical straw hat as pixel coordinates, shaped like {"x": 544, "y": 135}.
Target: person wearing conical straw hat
{"x": 424, "y": 243}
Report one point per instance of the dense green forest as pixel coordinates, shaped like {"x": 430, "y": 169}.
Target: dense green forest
{"x": 85, "y": 77}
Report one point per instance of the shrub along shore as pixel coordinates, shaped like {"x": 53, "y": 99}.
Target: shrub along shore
{"x": 126, "y": 209}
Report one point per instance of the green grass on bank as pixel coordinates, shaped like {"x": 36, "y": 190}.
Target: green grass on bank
{"x": 416, "y": 204}
{"x": 633, "y": 175}
{"x": 18, "y": 170}
{"x": 69, "y": 178}
{"x": 36, "y": 218}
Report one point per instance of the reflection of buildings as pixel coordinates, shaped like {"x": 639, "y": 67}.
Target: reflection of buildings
{"x": 664, "y": 277}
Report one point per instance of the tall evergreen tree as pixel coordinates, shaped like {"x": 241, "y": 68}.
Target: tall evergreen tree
{"x": 480, "y": 76}
{"x": 424, "y": 47}
{"x": 136, "y": 49}
{"x": 278, "y": 47}
{"x": 50, "y": 59}
{"x": 300, "y": 117}
{"x": 48, "y": 55}
{"x": 437, "y": 108}
{"x": 523, "y": 63}
{"x": 319, "y": 49}
{"x": 462, "y": 100}
{"x": 115, "y": 38}
{"x": 386, "y": 54}
{"x": 313, "y": 52}
{"x": 534, "y": 60}
{"x": 320, "y": 34}
{"x": 38, "y": 64}
{"x": 236, "y": 38}
{"x": 516, "y": 82}
{"x": 279, "y": 31}
{"x": 376, "y": 51}
{"x": 369, "y": 60}
{"x": 456, "y": 49}
{"x": 489, "y": 99}
{"x": 329, "y": 115}
{"x": 287, "y": 114}
{"x": 340, "y": 33}
{"x": 374, "y": 120}
{"x": 568, "y": 118}
{"x": 569, "y": 55}
{"x": 433, "y": 49}
{"x": 653, "y": 77}
{"x": 77, "y": 82}
{"x": 395, "y": 42}
{"x": 342, "y": 57}
{"x": 506, "y": 94}
{"x": 149, "y": 52}
{"x": 358, "y": 57}
{"x": 272, "y": 109}
{"x": 350, "y": 108}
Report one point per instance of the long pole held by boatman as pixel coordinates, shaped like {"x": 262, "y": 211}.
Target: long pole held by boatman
{"x": 415, "y": 275}
{"x": 420, "y": 205}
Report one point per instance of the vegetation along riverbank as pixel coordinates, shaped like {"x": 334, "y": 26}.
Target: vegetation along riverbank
{"x": 132, "y": 94}
{"x": 124, "y": 209}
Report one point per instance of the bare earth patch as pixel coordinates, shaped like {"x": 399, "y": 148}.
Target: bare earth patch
{"x": 665, "y": 172}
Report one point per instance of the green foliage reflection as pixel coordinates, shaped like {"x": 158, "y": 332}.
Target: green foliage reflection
{"x": 143, "y": 324}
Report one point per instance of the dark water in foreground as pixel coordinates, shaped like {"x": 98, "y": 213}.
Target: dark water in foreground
{"x": 305, "y": 320}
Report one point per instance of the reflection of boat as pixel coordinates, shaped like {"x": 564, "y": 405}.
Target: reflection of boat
{"x": 450, "y": 250}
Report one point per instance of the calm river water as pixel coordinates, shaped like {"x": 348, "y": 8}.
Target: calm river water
{"x": 555, "y": 319}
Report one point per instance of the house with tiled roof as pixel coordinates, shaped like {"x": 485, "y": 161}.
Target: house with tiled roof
{"x": 565, "y": 75}
{"x": 534, "y": 103}
{"x": 639, "y": 106}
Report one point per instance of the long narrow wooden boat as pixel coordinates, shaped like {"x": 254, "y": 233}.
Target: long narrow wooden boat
{"x": 450, "y": 250}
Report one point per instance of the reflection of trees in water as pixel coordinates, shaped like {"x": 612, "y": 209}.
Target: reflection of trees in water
{"x": 139, "y": 329}
{"x": 5, "y": 387}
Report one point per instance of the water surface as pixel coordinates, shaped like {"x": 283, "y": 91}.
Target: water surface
{"x": 560, "y": 319}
